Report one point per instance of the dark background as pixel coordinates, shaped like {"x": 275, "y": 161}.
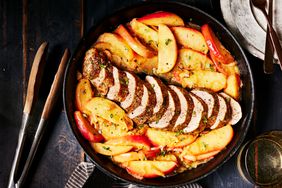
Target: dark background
{"x": 24, "y": 25}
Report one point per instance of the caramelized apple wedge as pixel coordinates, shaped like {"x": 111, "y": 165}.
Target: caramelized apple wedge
{"x": 83, "y": 94}
{"x": 220, "y": 53}
{"x": 167, "y": 49}
{"x": 190, "y": 38}
{"x": 167, "y": 157}
{"x": 233, "y": 86}
{"x": 117, "y": 45}
{"x": 162, "y": 17}
{"x": 133, "y": 42}
{"x": 110, "y": 150}
{"x": 169, "y": 138}
{"x": 109, "y": 111}
{"x": 193, "y": 60}
{"x": 145, "y": 33}
{"x": 214, "y": 81}
{"x": 149, "y": 169}
{"x": 214, "y": 140}
{"x": 130, "y": 156}
{"x": 87, "y": 131}
{"x": 137, "y": 141}
{"x": 192, "y": 158}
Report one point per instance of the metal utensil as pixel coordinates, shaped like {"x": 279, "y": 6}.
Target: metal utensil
{"x": 269, "y": 50}
{"x": 49, "y": 104}
{"x": 261, "y": 4}
{"x": 32, "y": 94}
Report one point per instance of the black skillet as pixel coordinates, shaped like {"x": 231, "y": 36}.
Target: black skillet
{"x": 186, "y": 12}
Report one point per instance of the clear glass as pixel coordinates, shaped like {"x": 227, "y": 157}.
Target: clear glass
{"x": 260, "y": 160}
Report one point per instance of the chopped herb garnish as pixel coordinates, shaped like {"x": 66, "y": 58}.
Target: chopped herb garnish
{"x": 102, "y": 66}
{"x": 163, "y": 153}
{"x": 167, "y": 41}
{"x": 205, "y": 120}
{"x": 106, "y": 148}
{"x": 111, "y": 115}
{"x": 179, "y": 132}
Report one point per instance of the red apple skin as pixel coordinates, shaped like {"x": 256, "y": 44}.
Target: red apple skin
{"x": 86, "y": 130}
{"x": 152, "y": 153}
{"x": 216, "y": 48}
{"x": 162, "y": 17}
{"x": 134, "y": 43}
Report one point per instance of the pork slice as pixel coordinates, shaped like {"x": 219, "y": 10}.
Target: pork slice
{"x": 236, "y": 111}
{"x": 222, "y": 113}
{"x": 138, "y": 94}
{"x": 199, "y": 116}
{"x": 147, "y": 114}
{"x": 115, "y": 89}
{"x": 132, "y": 84}
{"x": 186, "y": 108}
{"x": 124, "y": 82}
{"x": 97, "y": 68}
{"x": 212, "y": 101}
{"x": 138, "y": 114}
{"x": 168, "y": 115}
{"x": 161, "y": 94}
{"x": 176, "y": 101}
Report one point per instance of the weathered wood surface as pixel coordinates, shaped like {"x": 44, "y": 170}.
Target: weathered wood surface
{"x": 24, "y": 26}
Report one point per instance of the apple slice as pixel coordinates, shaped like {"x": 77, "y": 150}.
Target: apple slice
{"x": 130, "y": 156}
{"x": 168, "y": 138}
{"x": 109, "y": 111}
{"x": 214, "y": 81}
{"x": 110, "y": 150}
{"x": 87, "y": 131}
{"x": 167, "y": 157}
{"x": 220, "y": 53}
{"x": 137, "y": 141}
{"x": 162, "y": 17}
{"x": 133, "y": 42}
{"x": 190, "y": 38}
{"x": 117, "y": 45}
{"x": 167, "y": 49}
{"x": 109, "y": 130}
{"x": 233, "y": 86}
{"x": 193, "y": 158}
{"x": 149, "y": 169}
{"x": 83, "y": 94}
{"x": 145, "y": 33}
{"x": 193, "y": 60}
{"x": 212, "y": 141}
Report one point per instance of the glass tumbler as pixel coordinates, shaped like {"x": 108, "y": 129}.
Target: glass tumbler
{"x": 260, "y": 160}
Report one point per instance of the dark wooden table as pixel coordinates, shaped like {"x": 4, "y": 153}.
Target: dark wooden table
{"x": 25, "y": 25}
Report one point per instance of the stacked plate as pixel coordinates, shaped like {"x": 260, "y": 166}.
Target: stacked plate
{"x": 248, "y": 27}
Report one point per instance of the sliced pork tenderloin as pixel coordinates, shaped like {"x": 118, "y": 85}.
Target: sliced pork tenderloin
{"x": 236, "y": 111}
{"x": 162, "y": 99}
{"x": 186, "y": 108}
{"x": 212, "y": 101}
{"x": 167, "y": 116}
{"x": 198, "y": 120}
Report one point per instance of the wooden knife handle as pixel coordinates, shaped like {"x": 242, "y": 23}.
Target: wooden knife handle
{"x": 56, "y": 87}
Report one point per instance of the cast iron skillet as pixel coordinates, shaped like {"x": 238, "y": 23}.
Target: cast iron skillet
{"x": 186, "y": 12}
